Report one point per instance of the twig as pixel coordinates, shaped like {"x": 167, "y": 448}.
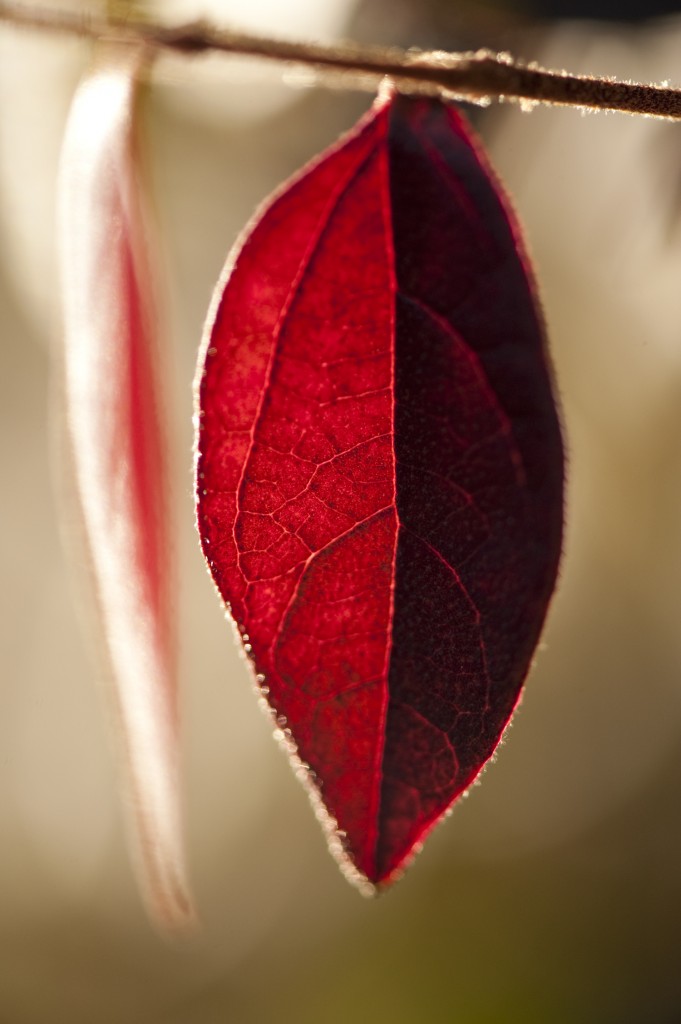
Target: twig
{"x": 479, "y": 77}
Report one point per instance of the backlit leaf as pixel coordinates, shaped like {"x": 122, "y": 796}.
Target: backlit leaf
{"x": 118, "y": 451}
{"x": 380, "y": 470}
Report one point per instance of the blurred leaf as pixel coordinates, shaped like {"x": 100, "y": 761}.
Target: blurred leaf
{"x": 118, "y": 450}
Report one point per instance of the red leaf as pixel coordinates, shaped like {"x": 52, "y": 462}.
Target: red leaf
{"x": 380, "y": 469}
{"x": 112, "y": 391}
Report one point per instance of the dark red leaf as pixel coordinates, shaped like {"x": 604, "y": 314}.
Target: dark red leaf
{"x": 380, "y": 470}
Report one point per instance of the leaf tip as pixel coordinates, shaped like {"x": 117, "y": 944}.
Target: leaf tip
{"x": 158, "y": 855}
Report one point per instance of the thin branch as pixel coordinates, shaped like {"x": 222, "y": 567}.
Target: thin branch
{"x": 479, "y": 77}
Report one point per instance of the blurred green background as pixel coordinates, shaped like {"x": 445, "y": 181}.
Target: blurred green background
{"x": 553, "y": 893}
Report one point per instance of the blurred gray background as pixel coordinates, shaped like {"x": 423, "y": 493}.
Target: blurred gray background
{"x": 553, "y": 892}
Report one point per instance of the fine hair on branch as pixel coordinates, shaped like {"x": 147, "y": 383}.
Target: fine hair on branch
{"x": 478, "y": 77}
